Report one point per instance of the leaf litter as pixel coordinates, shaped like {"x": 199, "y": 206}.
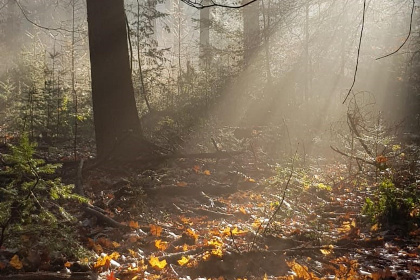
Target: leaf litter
{"x": 229, "y": 219}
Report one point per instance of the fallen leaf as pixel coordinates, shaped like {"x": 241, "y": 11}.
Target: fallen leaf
{"x": 374, "y": 228}
{"x": 196, "y": 168}
{"x": 67, "y": 264}
{"x": 155, "y": 230}
{"x": 15, "y": 262}
{"x": 207, "y": 172}
{"x": 161, "y": 245}
{"x": 238, "y": 232}
{"x": 182, "y": 184}
{"x": 191, "y": 233}
{"x": 184, "y": 260}
{"x": 156, "y": 264}
{"x": 242, "y": 210}
{"x": 327, "y": 250}
{"x": 111, "y": 276}
{"x": 133, "y": 224}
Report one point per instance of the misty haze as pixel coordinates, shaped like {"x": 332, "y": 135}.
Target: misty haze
{"x": 209, "y": 139}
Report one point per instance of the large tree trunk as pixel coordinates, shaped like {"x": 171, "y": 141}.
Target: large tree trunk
{"x": 114, "y": 107}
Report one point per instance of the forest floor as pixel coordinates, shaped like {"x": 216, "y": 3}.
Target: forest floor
{"x": 230, "y": 218}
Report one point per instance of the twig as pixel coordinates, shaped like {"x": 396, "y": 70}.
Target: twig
{"x": 215, "y": 144}
{"x": 38, "y": 25}
{"x": 278, "y": 207}
{"x": 358, "y": 51}
{"x": 359, "y": 137}
{"x": 234, "y": 242}
{"x": 200, "y": 6}
{"x": 406, "y": 39}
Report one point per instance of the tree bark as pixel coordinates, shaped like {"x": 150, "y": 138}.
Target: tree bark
{"x": 114, "y": 108}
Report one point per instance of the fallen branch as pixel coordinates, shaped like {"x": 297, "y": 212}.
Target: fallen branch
{"x": 217, "y": 155}
{"x": 174, "y": 257}
{"x": 103, "y": 218}
{"x": 50, "y": 276}
{"x": 354, "y": 157}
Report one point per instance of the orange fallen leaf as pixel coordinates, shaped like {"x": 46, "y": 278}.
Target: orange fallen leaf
{"x": 106, "y": 260}
{"x": 196, "y": 168}
{"x": 191, "y": 233}
{"x": 133, "y": 224}
{"x": 155, "y": 230}
{"x": 15, "y": 262}
{"x": 182, "y": 184}
{"x": 207, "y": 172}
{"x": 67, "y": 264}
{"x": 111, "y": 276}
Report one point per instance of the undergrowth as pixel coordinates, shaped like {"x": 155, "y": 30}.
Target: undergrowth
{"x": 32, "y": 203}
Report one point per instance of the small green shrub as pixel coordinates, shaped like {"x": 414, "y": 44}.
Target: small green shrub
{"x": 32, "y": 201}
{"x": 392, "y": 204}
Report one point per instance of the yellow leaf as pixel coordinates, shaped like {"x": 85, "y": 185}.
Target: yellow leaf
{"x": 257, "y": 224}
{"x": 184, "y": 247}
{"x": 207, "y": 172}
{"x": 132, "y": 253}
{"x": 251, "y": 180}
{"x": 15, "y": 262}
{"x": 375, "y": 227}
{"x": 238, "y": 232}
{"x": 115, "y": 244}
{"x": 161, "y": 245}
{"x": 226, "y": 231}
{"x": 155, "y": 230}
{"x": 217, "y": 252}
{"x": 133, "y": 224}
{"x": 156, "y": 264}
{"x": 242, "y": 210}
{"x": 182, "y": 184}
{"x": 183, "y": 261}
{"x": 327, "y": 250}
{"x": 214, "y": 242}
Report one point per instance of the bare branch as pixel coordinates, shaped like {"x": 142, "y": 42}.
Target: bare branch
{"x": 358, "y": 51}
{"x": 199, "y": 4}
{"x": 406, "y": 39}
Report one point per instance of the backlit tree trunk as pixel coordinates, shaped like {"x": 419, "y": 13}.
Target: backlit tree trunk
{"x": 114, "y": 106}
